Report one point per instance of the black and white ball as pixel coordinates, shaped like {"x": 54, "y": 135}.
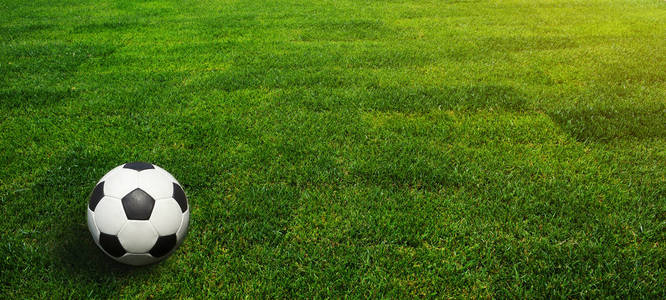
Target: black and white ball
{"x": 138, "y": 213}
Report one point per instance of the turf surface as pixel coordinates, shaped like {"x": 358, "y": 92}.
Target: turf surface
{"x": 332, "y": 148}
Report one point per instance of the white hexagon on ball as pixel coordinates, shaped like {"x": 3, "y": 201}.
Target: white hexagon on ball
{"x": 166, "y": 216}
{"x": 138, "y": 236}
{"x": 137, "y": 259}
{"x": 182, "y": 231}
{"x": 138, "y": 213}
{"x": 92, "y": 226}
{"x": 157, "y": 183}
{"x": 110, "y": 216}
{"x": 120, "y": 182}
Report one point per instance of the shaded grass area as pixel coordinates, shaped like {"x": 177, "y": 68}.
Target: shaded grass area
{"x": 331, "y": 148}
{"x": 37, "y": 74}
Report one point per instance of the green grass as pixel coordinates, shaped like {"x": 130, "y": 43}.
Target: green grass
{"x": 342, "y": 148}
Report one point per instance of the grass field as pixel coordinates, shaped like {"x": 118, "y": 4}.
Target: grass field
{"x": 342, "y": 148}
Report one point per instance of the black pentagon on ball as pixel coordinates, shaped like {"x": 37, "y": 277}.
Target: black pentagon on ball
{"x": 179, "y": 195}
{"x": 96, "y": 195}
{"x": 138, "y": 205}
{"x": 111, "y": 245}
{"x": 163, "y": 245}
{"x": 138, "y": 166}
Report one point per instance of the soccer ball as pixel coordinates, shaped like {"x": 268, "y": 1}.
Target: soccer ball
{"x": 138, "y": 214}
